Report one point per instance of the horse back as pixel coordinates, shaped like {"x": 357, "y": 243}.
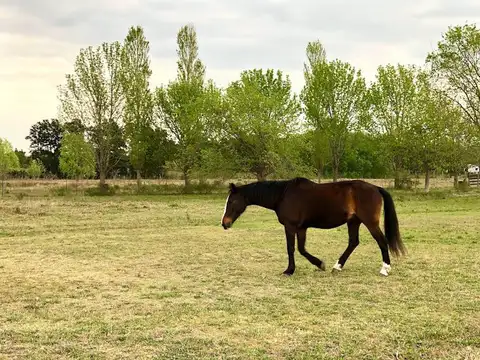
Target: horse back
{"x": 328, "y": 205}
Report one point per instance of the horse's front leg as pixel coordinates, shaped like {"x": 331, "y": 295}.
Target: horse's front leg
{"x": 301, "y": 239}
{"x": 290, "y": 236}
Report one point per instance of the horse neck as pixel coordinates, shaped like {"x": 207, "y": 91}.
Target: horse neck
{"x": 265, "y": 194}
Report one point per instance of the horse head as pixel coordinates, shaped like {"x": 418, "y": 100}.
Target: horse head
{"x": 235, "y": 205}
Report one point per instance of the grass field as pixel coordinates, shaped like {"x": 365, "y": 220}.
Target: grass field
{"x": 158, "y": 278}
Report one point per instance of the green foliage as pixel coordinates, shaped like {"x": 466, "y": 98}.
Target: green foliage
{"x": 119, "y": 159}
{"x": 22, "y": 158}
{"x": 364, "y": 157}
{"x": 217, "y": 164}
{"x": 261, "y": 111}
{"x": 316, "y": 56}
{"x": 74, "y": 126}
{"x": 409, "y": 122}
{"x": 426, "y": 132}
{"x": 8, "y": 160}
{"x": 393, "y": 99}
{"x": 293, "y": 150}
{"x": 334, "y": 97}
{"x": 35, "y": 169}
{"x": 456, "y": 66}
{"x": 77, "y": 157}
{"x": 93, "y": 94}
{"x": 460, "y": 140}
{"x": 190, "y": 68}
{"x": 314, "y": 151}
{"x": 45, "y": 137}
{"x": 180, "y": 105}
{"x": 138, "y": 116}
{"x": 159, "y": 151}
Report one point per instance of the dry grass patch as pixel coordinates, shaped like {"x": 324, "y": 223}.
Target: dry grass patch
{"x": 158, "y": 278}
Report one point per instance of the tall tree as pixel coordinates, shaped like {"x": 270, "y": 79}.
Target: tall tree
{"x": 458, "y": 136}
{"x": 180, "y": 105}
{"x": 316, "y": 57}
{"x": 8, "y": 160}
{"x": 456, "y": 66}
{"x": 334, "y": 97}
{"x": 138, "y": 98}
{"x": 425, "y": 134}
{"x": 45, "y": 137}
{"x": 393, "y": 98}
{"x": 93, "y": 94}
{"x": 261, "y": 110}
{"x": 190, "y": 68}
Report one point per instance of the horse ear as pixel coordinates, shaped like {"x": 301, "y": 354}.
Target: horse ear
{"x": 233, "y": 188}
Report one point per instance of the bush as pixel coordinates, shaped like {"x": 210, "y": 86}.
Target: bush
{"x": 62, "y": 191}
{"x": 105, "y": 190}
{"x": 463, "y": 186}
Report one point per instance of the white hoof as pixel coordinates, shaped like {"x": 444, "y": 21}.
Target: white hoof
{"x": 337, "y": 267}
{"x": 385, "y": 269}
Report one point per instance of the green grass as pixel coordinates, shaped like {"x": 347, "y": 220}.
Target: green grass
{"x": 158, "y": 278}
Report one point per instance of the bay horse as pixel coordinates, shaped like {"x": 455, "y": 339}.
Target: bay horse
{"x": 301, "y": 204}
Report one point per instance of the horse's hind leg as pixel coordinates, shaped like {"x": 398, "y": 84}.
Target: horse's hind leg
{"x": 383, "y": 245}
{"x": 301, "y": 238}
{"x": 353, "y": 241}
{"x": 290, "y": 237}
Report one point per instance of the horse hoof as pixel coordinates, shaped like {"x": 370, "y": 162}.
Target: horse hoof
{"x": 288, "y": 273}
{"x": 385, "y": 269}
{"x": 384, "y": 272}
{"x": 322, "y": 266}
{"x": 337, "y": 267}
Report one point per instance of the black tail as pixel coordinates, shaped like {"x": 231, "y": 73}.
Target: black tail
{"x": 392, "y": 232}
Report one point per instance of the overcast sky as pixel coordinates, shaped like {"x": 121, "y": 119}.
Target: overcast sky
{"x": 39, "y": 40}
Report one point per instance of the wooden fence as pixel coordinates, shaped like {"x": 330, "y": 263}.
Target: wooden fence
{"x": 473, "y": 179}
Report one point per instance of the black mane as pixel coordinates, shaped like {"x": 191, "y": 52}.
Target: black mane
{"x": 267, "y": 193}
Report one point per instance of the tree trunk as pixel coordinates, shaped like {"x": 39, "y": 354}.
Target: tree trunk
{"x": 260, "y": 176}
{"x": 103, "y": 177}
{"x": 396, "y": 183}
{"x": 319, "y": 174}
{"x": 427, "y": 180}
{"x": 455, "y": 181}
{"x": 335, "y": 166}
{"x": 139, "y": 180}
{"x": 186, "y": 179}
{"x": 3, "y": 183}
{"x": 76, "y": 185}
{"x": 335, "y": 174}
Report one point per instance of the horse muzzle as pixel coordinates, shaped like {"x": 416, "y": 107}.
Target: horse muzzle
{"x": 227, "y": 223}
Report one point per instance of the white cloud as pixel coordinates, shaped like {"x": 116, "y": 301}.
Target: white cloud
{"x": 39, "y": 40}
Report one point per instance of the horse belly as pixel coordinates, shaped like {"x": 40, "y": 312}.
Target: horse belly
{"x": 324, "y": 224}
{"x": 324, "y": 219}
